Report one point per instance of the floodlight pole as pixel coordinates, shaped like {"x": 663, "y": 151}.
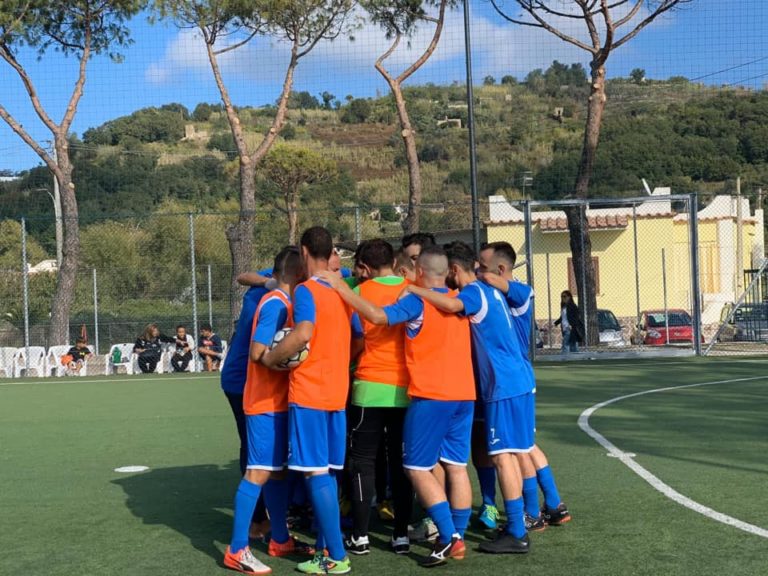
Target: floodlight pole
{"x": 471, "y": 132}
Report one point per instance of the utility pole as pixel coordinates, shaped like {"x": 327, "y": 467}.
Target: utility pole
{"x": 739, "y": 240}
{"x": 471, "y": 132}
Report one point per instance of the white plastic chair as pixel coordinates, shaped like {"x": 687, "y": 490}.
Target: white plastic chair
{"x": 36, "y": 362}
{"x": 6, "y": 360}
{"x": 53, "y": 366}
{"x": 126, "y": 359}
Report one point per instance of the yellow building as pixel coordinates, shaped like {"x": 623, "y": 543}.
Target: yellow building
{"x": 661, "y": 268}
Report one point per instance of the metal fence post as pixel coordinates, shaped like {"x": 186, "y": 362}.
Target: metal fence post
{"x": 194, "y": 276}
{"x": 664, "y": 290}
{"x": 358, "y": 226}
{"x": 25, "y": 282}
{"x": 583, "y": 296}
{"x": 529, "y": 272}
{"x": 693, "y": 224}
{"x": 210, "y": 298}
{"x": 637, "y": 264}
{"x": 549, "y": 306}
{"x": 95, "y": 312}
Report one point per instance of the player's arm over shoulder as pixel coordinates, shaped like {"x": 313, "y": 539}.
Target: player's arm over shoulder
{"x": 518, "y": 293}
{"x": 439, "y": 300}
{"x": 366, "y": 309}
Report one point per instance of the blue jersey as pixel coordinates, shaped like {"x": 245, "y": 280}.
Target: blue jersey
{"x": 500, "y": 366}
{"x": 520, "y": 299}
{"x": 235, "y": 369}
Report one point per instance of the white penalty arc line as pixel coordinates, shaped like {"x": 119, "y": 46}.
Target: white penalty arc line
{"x": 653, "y": 480}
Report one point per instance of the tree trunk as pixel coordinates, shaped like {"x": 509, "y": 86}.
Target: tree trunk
{"x": 578, "y": 225}
{"x": 64, "y": 294}
{"x": 413, "y": 219}
{"x": 240, "y": 235}
{"x": 291, "y": 205}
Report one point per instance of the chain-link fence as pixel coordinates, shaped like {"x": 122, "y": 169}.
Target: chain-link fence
{"x": 647, "y": 256}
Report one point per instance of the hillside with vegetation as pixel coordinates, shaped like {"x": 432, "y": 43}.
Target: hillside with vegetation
{"x": 170, "y": 159}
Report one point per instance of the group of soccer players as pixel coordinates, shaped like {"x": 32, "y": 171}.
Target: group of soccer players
{"x": 438, "y": 340}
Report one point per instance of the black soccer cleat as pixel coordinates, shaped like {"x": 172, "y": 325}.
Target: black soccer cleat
{"x": 505, "y": 543}
{"x": 557, "y": 516}
{"x": 535, "y": 524}
{"x": 357, "y": 546}
{"x": 441, "y": 552}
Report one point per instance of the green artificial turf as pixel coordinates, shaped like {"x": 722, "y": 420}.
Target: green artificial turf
{"x": 64, "y": 511}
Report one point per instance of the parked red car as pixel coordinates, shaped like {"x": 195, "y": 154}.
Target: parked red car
{"x": 654, "y": 326}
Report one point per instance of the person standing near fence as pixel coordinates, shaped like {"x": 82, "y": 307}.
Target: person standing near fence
{"x": 570, "y": 323}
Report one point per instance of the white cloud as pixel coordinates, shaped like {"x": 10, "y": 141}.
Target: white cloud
{"x": 498, "y": 48}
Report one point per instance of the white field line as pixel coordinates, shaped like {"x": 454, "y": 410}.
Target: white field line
{"x": 59, "y": 382}
{"x": 654, "y": 481}
{"x": 646, "y": 363}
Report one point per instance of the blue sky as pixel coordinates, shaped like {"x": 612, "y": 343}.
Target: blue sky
{"x": 165, "y": 64}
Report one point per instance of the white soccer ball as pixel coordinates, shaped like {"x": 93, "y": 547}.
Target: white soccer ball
{"x": 294, "y": 360}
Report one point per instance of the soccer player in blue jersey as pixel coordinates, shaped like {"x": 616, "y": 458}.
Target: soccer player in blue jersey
{"x": 235, "y": 369}
{"x": 265, "y": 404}
{"x": 504, "y": 382}
{"x": 497, "y": 261}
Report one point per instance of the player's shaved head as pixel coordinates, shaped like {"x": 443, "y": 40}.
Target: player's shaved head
{"x": 502, "y": 251}
{"x": 287, "y": 265}
{"x": 433, "y": 262}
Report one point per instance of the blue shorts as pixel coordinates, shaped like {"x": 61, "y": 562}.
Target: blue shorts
{"x": 510, "y": 424}
{"x": 267, "y": 440}
{"x": 317, "y": 439}
{"x": 437, "y": 430}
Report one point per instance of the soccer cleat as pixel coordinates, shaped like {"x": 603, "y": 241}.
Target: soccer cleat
{"x": 423, "y": 531}
{"x": 400, "y": 545}
{"x": 244, "y": 561}
{"x": 557, "y": 516}
{"x": 441, "y": 552}
{"x": 505, "y": 543}
{"x": 292, "y": 547}
{"x": 357, "y": 546}
{"x": 489, "y": 516}
{"x": 386, "y": 511}
{"x": 535, "y": 524}
{"x": 322, "y": 565}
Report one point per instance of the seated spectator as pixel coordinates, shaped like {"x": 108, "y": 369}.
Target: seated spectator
{"x": 211, "y": 349}
{"x": 75, "y": 358}
{"x": 182, "y": 354}
{"x": 148, "y": 346}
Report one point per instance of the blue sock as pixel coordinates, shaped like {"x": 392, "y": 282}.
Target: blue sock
{"x": 515, "y": 519}
{"x": 531, "y": 496}
{"x": 298, "y": 489}
{"x": 322, "y": 491}
{"x": 487, "y": 478}
{"x": 276, "y": 496}
{"x": 547, "y": 483}
{"x": 443, "y": 519}
{"x": 245, "y": 503}
{"x": 461, "y": 519}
